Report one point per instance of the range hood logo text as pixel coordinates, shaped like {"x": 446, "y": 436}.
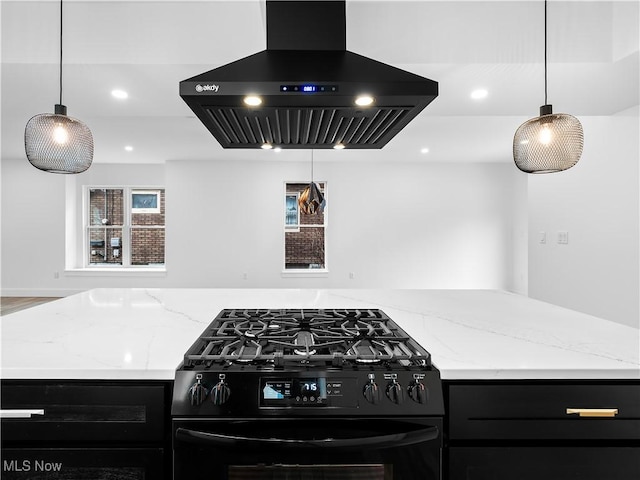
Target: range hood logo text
{"x": 207, "y": 88}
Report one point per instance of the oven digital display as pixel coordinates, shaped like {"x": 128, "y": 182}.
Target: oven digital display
{"x": 293, "y": 391}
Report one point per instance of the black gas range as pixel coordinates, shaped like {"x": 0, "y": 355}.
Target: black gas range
{"x": 272, "y": 383}
{"x": 270, "y": 362}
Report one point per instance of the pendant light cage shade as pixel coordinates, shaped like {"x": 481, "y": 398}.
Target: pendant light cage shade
{"x": 57, "y": 143}
{"x": 548, "y": 143}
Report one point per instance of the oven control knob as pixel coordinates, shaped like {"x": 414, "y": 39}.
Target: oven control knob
{"x": 197, "y": 393}
{"x": 370, "y": 392}
{"x": 220, "y": 393}
{"x": 417, "y": 392}
{"x": 395, "y": 393}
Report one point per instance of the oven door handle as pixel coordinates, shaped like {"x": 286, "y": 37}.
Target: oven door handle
{"x": 399, "y": 439}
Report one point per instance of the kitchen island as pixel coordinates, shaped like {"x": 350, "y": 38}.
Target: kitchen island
{"x": 511, "y": 367}
{"x": 471, "y": 334}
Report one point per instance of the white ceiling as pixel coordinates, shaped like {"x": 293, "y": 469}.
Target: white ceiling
{"x": 147, "y": 47}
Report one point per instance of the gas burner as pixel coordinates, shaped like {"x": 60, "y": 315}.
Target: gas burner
{"x": 249, "y": 328}
{"x": 304, "y": 339}
{"x": 311, "y": 337}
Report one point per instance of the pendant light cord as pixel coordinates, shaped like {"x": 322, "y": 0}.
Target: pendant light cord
{"x": 60, "y": 52}
{"x": 545, "y": 52}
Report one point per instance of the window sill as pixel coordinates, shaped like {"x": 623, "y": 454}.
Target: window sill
{"x": 306, "y": 273}
{"x": 116, "y": 272}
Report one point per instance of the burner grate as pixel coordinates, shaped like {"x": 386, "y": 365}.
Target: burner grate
{"x": 305, "y": 337}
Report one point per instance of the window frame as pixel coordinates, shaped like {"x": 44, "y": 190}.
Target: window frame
{"x": 304, "y": 272}
{"x": 126, "y": 227}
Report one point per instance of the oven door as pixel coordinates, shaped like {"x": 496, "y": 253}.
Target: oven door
{"x": 303, "y": 448}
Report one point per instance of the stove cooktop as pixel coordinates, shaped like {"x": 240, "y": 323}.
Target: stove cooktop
{"x": 311, "y": 362}
{"x": 288, "y": 338}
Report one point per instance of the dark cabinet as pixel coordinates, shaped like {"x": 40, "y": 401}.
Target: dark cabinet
{"x": 79, "y": 430}
{"x": 541, "y": 462}
{"x": 551, "y": 430}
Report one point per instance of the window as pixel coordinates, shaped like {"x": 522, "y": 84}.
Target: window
{"x": 292, "y": 212}
{"x": 145, "y": 201}
{"x": 124, "y": 226}
{"x": 304, "y": 234}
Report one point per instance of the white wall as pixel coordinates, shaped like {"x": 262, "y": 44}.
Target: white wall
{"x": 406, "y": 225}
{"x": 403, "y": 225}
{"x": 34, "y": 215}
{"x": 597, "y": 203}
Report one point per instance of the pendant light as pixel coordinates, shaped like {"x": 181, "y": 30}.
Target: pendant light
{"x": 311, "y": 200}
{"x": 551, "y": 142}
{"x": 55, "y": 142}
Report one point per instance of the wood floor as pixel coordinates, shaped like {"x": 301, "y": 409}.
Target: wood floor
{"x": 14, "y": 304}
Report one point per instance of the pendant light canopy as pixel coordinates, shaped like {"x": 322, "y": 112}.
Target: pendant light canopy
{"x": 551, "y": 142}
{"x": 55, "y": 142}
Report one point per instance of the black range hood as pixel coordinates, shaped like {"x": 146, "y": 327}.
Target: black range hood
{"x": 307, "y": 83}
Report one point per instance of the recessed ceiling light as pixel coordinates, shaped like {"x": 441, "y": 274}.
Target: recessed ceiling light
{"x": 424, "y": 150}
{"x": 338, "y": 146}
{"x": 479, "y": 94}
{"x": 364, "y": 100}
{"x": 277, "y": 149}
{"x": 119, "y": 94}
{"x": 266, "y": 146}
{"x": 128, "y": 148}
{"x": 252, "y": 100}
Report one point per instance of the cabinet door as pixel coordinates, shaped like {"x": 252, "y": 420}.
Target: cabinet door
{"x": 536, "y": 463}
{"x": 83, "y": 464}
{"x": 543, "y": 412}
{"x": 84, "y": 412}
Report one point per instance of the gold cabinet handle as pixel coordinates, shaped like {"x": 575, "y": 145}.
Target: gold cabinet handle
{"x": 593, "y": 412}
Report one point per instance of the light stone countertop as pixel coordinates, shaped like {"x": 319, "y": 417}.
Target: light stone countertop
{"x": 120, "y": 334}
